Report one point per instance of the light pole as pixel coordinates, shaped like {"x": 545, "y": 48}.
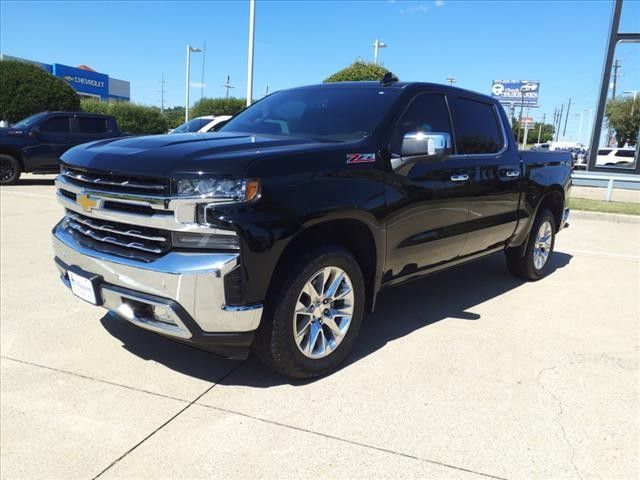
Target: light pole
{"x": 186, "y": 87}
{"x": 451, "y": 80}
{"x": 377, "y": 44}
{"x": 252, "y": 21}
{"x": 228, "y": 86}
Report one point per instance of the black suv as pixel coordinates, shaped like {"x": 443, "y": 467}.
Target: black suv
{"x": 36, "y": 143}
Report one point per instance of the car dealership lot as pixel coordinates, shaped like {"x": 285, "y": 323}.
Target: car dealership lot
{"x": 465, "y": 374}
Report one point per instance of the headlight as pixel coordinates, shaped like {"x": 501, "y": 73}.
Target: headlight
{"x": 220, "y": 188}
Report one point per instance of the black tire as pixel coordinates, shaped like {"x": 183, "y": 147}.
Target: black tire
{"x": 275, "y": 344}
{"x": 521, "y": 261}
{"x": 9, "y": 170}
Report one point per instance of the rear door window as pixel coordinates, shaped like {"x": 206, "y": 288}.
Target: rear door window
{"x": 477, "y": 127}
{"x": 91, "y": 125}
{"x": 55, "y": 125}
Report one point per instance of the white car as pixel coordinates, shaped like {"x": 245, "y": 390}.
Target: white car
{"x": 201, "y": 124}
{"x": 616, "y": 157}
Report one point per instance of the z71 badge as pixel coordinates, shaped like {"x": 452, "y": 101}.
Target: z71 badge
{"x": 361, "y": 158}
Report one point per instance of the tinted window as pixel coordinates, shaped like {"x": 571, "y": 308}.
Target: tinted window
{"x": 91, "y": 125}
{"x": 330, "y": 113}
{"x": 192, "y": 125}
{"x": 426, "y": 113}
{"x": 626, "y": 153}
{"x": 477, "y": 128}
{"x": 55, "y": 125}
{"x": 604, "y": 151}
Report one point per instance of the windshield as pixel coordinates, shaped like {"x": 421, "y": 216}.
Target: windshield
{"x": 192, "y": 125}
{"x": 27, "y": 122}
{"x": 324, "y": 113}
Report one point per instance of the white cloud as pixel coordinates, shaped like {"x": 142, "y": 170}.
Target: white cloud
{"x": 197, "y": 85}
{"x": 439, "y": 3}
{"x": 420, "y": 8}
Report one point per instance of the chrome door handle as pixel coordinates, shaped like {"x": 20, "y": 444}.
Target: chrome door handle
{"x": 460, "y": 178}
{"x": 513, "y": 173}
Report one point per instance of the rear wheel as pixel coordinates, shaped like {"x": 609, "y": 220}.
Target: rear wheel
{"x": 531, "y": 260}
{"x": 9, "y": 170}
{"x": 314, "y": 315}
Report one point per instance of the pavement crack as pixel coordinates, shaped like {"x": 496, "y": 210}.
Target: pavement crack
{"x": 558, "y": 418}
{"x": 352, "y": 442}
{"x": 182, "y": 410}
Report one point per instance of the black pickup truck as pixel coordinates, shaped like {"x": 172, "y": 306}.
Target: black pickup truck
{"x": 278, "y": 231}
{"x": 36, "y": 143}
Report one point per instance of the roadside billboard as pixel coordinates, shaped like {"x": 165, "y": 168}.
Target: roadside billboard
{"x": 516, "y": 92}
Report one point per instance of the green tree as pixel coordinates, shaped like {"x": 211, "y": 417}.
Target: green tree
{"x": 175, "y": 116}
{"x": 26, "y": 89}
{"x": 132, "y": 118}
{"x": 532, "y": 137}
{"x": 623, "y": 116}
{"x": 217, "y": 106}
{"x": 359, "y": 71}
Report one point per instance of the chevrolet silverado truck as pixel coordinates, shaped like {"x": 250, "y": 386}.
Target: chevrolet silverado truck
{"x": 36, "y": 143}
{"x": 276, "y": 233}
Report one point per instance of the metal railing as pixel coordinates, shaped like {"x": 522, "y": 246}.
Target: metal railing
{"x": 606, "y": 180}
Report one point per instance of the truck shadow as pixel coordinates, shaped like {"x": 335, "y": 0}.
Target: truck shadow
{"x": 400, "y": 311}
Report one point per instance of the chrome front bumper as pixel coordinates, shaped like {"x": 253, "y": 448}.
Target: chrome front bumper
{"x": 179, "y": 294}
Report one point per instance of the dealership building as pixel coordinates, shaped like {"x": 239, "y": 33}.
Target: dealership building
{"x": 84, "y": 80}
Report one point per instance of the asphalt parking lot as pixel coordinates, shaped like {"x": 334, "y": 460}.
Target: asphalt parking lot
{"x": 466, "y": 374}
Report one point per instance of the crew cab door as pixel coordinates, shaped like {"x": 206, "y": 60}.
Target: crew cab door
{"x": 52, "y": 139}
{"x": 427, "y": 200}
{"x": 495, "y": 172}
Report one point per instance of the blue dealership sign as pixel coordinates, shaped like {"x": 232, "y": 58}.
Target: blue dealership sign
{"x": 83, "y": 81}
{"x": 516, "y": 92}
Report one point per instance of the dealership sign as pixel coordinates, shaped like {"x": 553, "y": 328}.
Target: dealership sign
{"x": 83, "y": 81}
{"x": 516, "y": 92}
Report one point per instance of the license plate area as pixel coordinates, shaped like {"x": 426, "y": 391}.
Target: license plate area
{"x": 85, "y": 285}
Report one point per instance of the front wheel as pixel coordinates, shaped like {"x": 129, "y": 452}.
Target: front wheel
{"x": 9, "y": 170}
{"x": 314, "y": 314}
{"x": 531, "y": 260}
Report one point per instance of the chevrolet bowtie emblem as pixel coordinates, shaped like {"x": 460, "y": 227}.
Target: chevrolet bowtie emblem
{"x": 86, "y": 203}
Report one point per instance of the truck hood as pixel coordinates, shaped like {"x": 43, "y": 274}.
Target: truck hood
{"x": 184, "y": 154}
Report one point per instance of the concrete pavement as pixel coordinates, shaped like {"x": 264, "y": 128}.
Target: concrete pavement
{"x": 467, "y": 374}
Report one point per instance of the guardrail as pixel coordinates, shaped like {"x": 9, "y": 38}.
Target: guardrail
{"x": 608, "y": 180}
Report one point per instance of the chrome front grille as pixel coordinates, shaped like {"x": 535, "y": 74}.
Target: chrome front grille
{"x": 113, "y": 182}
{"x": 118, "y": 238}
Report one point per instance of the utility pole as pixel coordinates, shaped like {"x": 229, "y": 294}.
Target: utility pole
{"x": 526, "y": 128}
{"x": 227, "y": 85}
{"x": 555, "y": 118}
{"x": 204, "y": 52}
{"x": 544, "y": 116}
{"x": 566, "y": 119}
{"x": 616, "y": 66}
{"x": 252, "y": 22}
{"x": 451, "y": 80}
{"x": 266, "y": 91}
{"x": 377, "y": 44}
{"x": 581, "y": 115}
{"x": 162, "y": 92}
{"x": 559, "y": 122}
{"x": 521, "y": 108}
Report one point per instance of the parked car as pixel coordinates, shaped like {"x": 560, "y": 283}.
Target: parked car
{"x": 278, "y": 231}
{"x": 202, "y": 124}
{"x": 36, "y": 143}
{"x": 616, "y": 157}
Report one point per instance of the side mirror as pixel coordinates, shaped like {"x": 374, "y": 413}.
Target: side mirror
{"x": 429, "y": 144}
{"x": 35, "y": 131}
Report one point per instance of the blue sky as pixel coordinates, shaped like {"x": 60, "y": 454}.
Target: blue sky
{"x": 561, "y": 44}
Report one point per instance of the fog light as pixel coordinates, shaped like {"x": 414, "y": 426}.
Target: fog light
{"x": 164, "y": 315}
{"x": 207, "y": 241}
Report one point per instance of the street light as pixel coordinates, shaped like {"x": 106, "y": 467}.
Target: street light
{"x": 186, "y": 87}
{"x": 252, "y": 21}
{"x": 451, "y": 80}
{"x": 377, "y": 44}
